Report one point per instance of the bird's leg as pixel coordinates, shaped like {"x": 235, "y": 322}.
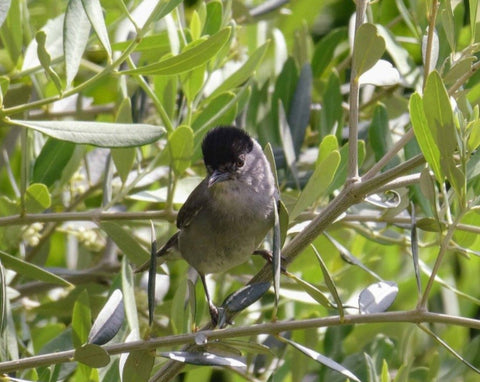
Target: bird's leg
{"x": 267, "y": 255}
{"x": 211, "y": 307}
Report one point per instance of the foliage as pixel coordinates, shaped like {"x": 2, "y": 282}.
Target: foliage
{"x": 373, "y": 123}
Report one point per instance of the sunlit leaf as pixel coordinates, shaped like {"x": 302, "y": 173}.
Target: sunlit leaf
{"x": 424, "y": 135}
{"x": 190, "y": 58}
{"x": 180, "y": 144}
{"x": 243, "y": 73}
{"x": 377, "y": 297}
{"x": 97, "y": 133}
{"x": 109, "y": 320}
{"x": 30, "y": 270}
{"x": 76, "y": 31}
{"x": 202, "y": 358}
{"x": 93, "y": 9}
{"x": 368, "y": 48}
{"x": 37, "y": 198}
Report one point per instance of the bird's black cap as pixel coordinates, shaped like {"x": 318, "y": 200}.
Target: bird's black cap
{"x": 223, "y": 145}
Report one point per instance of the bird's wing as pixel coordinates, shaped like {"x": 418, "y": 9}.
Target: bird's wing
{"x": 193, "y": 205}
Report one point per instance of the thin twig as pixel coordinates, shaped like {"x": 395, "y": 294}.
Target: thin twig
{"x": 412, "y": 316}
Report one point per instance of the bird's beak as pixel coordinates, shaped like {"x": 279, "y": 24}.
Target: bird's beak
{"x": 217, "y": 177}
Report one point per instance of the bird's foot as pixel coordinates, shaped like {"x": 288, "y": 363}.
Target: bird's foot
{"x": 267, "y": 255}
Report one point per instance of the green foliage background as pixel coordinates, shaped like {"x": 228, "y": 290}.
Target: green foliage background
{"x": 374, "y": 132}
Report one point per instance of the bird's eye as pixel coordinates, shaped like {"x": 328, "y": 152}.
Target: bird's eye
{"x": 240, "y": 162}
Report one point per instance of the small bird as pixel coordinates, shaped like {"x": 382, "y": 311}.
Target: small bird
{"x": 230, "y": 212}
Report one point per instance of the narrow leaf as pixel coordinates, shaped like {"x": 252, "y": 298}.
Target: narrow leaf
{"x": 414, "y": 246}
{"x": 126, "y": 242}
{"x": 313, "y": 291}
{"x": 318, "y": 183}
{"x": 129, "y": 302}
{"x": 276, "y": 253}
{"x": 329, "y": 281}
{"x": 109, "y": 320}
{"x": 299, "y": 110}
{"x": 97, "y": 133}
{"x": 93, "y": 9}
{"x": 81, "y": 319}
{"x": 330, "y": 363}
{"x": 347, "y": 256}
{"x": 424, "y": 136}
{"x": 3, "y": 300}
{"x": 180, "y": 144}
{"x": 45, "y": 60}
{"x": 76, "y": 30}
{"x": 51, "y": 161}
{"x": 30, "y": 270}
{"x": 190, "y": 58}
{"x": 152, "y": 275}
{"x": 203, "y": 358}
{"x": 243, "y": 73}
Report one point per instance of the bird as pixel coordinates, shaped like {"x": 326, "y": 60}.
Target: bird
{"x": 228, "y": 215}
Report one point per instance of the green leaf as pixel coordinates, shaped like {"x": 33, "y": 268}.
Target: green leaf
{"x": 243, "y": 73}
{"x": 380, "y": 135}
{"x": 313, "y": 292}
{"x": 424, "y": 135}
{"x": 4, "y": 7}
{"x": 81, "y": 319}
{"x": 124, "y": 158}
{"x": 180, "y": 144}
{"x": 92, "y": 355}
{"x": 192, "y": 82}
{"x": 93, "y": 9}
{"x": 45, "y": 60}
{"x": 368, "y": 48}
{"x": 325, "y": 49}
{"x": 213, "y": 21}
{"x": 126, "y": 242}
{"x": 76, "y": 29}
{"x": 329, "y": 281}
{"x": 138, "y": 366}
{"x": 30, "y": 270}
{"x": 3, "y": 300}
{"x": 37, "y": 198}
{"x": 195, "y": 55}
{"x": 439, "y": 115}
{"x": 130, "y": 306}
{"x": 341, "y": 174}
{"x": 299, "y": 111}
{"x": 97, "y": 133}
{"x": 221, "y": 110}
{"x": 12, "y": 28}
{"x": 332, "y": 112}
{"x": 51, "y": 161}
{"x": 318, "y": 183}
